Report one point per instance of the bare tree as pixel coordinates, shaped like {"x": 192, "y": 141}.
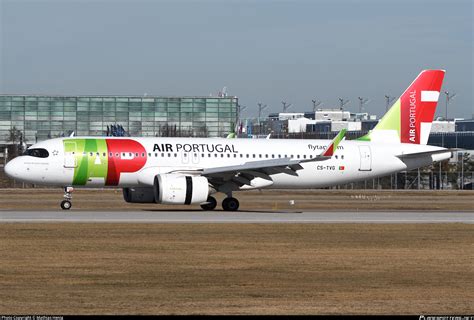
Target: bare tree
{"x": 14, "y": 135}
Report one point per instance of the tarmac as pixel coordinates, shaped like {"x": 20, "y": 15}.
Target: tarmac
{"x": 198, "y": 216}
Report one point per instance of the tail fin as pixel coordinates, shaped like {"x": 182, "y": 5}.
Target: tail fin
{"x": 409, "y": 119}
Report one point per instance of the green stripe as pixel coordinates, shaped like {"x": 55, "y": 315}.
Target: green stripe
{"x": 86, "y": 164}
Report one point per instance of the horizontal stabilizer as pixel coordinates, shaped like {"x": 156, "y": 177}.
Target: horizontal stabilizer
{"x": 424, "y": 153}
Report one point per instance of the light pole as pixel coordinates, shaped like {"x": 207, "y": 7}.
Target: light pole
{"x": 261, "y": 107}
{"x": 388, "y": 100}
{"x": 362, "y": 101}
{"x": 448, "y": 100}
{"x": 342, "y": 103}
{"x": 286, "y": 106}
{"x": 316, "y": 103}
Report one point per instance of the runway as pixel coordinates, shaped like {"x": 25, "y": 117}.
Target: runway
{"x": 158, "y": 216}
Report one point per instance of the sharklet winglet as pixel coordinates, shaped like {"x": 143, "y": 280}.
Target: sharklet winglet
{"x": 331, "y": 149}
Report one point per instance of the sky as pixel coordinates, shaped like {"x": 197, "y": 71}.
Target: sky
{"x": 263, "y": 51}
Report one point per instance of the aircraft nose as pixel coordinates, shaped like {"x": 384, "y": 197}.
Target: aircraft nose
{"x": 12, "y": 168}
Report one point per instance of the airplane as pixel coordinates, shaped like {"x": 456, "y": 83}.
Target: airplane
{"x": 189, "y": 170}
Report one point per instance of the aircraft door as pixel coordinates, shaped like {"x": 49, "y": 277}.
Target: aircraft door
{"x": 69, "y": 155}
{"x": 365, "y": 158}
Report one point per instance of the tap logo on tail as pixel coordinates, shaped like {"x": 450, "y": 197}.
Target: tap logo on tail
{"x": 409, "y": 119}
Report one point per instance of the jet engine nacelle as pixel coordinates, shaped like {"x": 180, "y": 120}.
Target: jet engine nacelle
{"x": 139, "y": 195}
{"x": 180, "y": 189}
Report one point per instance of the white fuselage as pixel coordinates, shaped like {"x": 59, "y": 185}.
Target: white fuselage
{"x": 353, "y": 160}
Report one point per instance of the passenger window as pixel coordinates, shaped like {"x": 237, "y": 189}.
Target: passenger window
{"x": 136, "y": 154}
{"x": 117, "y": 155}
{"x": 111, "y": 154}
{"x": 247, "y": 155}
{"x": 130, "y": 154}
{"x": 91, "y": 154}
{"x": 342, "y": 157}
{"x": 143, "y": 154}
{"x": 254, "y": 155}
{"x": 304, "y": 156}
{"x": 228, "y": 155}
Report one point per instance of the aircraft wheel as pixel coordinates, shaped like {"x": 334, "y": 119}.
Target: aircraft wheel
{"x": 230, "y": 204}
{"x": 210, "y": 205}
{"x": 66, "y": 204}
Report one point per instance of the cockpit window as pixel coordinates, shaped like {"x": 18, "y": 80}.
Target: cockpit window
{"x": 38, "y": 153}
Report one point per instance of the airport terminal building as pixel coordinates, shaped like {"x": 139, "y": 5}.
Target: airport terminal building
{"x": 40, "y": 117}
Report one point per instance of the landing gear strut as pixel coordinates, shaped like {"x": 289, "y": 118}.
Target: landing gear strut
{"x": 66, "y": 204}
{"x": 210, "y": 204}
{"x": 230, "y": 204}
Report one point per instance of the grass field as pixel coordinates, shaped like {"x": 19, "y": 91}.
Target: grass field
{"x": 236, "y": 269}
{"x": 110, "y": 268}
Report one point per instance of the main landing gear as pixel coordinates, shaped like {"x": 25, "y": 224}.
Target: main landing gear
{"x": 210, "y": 204}
{"x": 228, "y": 204}
{"x": 66, "y": 204}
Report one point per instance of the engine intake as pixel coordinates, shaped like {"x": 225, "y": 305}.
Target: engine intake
{"x": 138, "y": 195}
{"x": 179, "y": 189}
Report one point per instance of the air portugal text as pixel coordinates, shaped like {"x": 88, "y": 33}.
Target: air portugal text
{"x": 194, "y": 147}
{"x": 412, "y": 116}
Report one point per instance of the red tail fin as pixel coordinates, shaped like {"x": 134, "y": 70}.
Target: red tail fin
{"x": 418, "y": 106}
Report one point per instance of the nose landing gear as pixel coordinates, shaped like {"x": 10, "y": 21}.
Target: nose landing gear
{"x": 66, "y": 204}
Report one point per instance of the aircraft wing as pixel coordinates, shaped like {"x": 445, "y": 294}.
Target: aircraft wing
{"x": 244, "y": 173}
